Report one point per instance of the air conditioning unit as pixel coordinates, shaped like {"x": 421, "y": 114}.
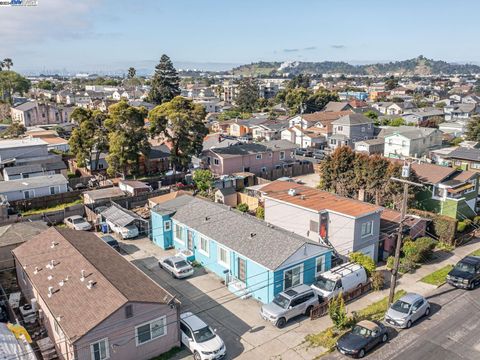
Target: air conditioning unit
{"x": 292, "y": 192}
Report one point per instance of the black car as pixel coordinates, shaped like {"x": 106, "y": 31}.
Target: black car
{"x": 303, "y": 152}
{"x": 110, "y": 240}
{"x": 466, "y": 273}
{"x": 363, "y": 337}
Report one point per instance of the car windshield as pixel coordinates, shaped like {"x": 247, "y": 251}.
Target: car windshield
{"x": 281, "y": 301}
{"x": 462, "y": 266}
{"x": 401, "y": 306}
{"x": 325, "y": 284}
{"x": 203, "y": 334}
{"x": 78, "y": 221}
{"x": 181, "y": 264}
{"x": 361, "y": 331}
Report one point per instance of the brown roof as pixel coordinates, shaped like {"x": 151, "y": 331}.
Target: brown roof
{"x": 167, "y": 197}
{"x": 432, "y": 174}
{"x": 465, "y": 175}
{"x": 317, "y": 200}
{"x": 80, "y": 309}
{"x": 325, "y": 116}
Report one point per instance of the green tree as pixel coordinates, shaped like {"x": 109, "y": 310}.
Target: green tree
{"x": 203, "y": 180}
{"x": 260, "y": 212}
{"x": 14, "y": 130}
{"x": 131, "y": 73}
{"x": 371, "y": 114}
{"x": 180, "y": 122}
{"x": 127, "y": 137}
{"x": 45, "y": 85}
{"x": 7, "y": 63}
{"x": 242, "y": 207}
{"x": 391, "y": 83}
{"x": 338, "y": 312}
{"x": 248, "y": 95}
{"x": 165, "y": 82}
{"x": 473, "y": 129}
{"x": 299, "y": 81}
{"x": 296, "y": 99}
{"x": 364, "y": 260}
{"x": 12, "y": 82}
{"x": 319, "y": 99}
{"x": 397, "y": 122}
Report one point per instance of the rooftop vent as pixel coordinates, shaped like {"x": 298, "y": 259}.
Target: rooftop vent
{"x": 50, "y": 291}
{"x": 61, "y": 283}
{"x": 51, "y": 264}
{"x": 91, "y": 284}
{"x": 53, "y": 244}
{"x": 36, "y": 270}
{"x": 49, "y": 277}
{"x": 252, "y": 235}
{"x": 302, "y": 197}
{"x": 82, "y": 272}
{"x": 292, "y": 192}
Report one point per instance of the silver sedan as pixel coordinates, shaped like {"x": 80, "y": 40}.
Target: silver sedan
{"x": 406, "y": 310}
{"x": 178, "y": 267}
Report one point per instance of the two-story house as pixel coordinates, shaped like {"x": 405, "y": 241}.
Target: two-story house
{"x": 32, "y": 113}
{"x": 349, "y": 129}
{"x": 465, "y": 158}
{"x": 95, "y": 304}
{"x": 253, "y": 258}
{"x": 408, "y": 141}
{"x": 346, "y": 224}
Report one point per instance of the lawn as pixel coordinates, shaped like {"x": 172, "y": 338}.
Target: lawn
{"x": 438, "y": 277}
{"x": 476, "y": 253}
{"x": 52, "y": 208}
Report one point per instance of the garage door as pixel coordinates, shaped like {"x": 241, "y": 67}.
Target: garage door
{"x": 369, "y": 250}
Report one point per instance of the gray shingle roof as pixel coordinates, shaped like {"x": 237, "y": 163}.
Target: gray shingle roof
{"x": 465, "y": 154}
{"x": 119, "y": 216}
{"x": 26, "y": 106}
{"x": 23, "y": 169}
{"x": 353, "y": 119}
{"x": 254, "y": 148}
{"x": 246, "y": 235}
{"x": 32, "y": 183}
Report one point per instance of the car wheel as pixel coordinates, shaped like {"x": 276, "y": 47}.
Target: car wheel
{"x": 427, "y": 312}
{"x": 409, "y": 324}
{"x": 471, "y": 286}
{"x": 361, "y": 353}
{"x": 196, "y": 355}
{"x": 173, "y": 275}
{"x": 308, "y": 312}
{"x": 384, "y": 338}
{"x": 281, "y": 323}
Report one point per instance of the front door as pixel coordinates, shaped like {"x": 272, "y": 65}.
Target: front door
{"x": 242, "y": 270}
{"x": 189, "y": 240}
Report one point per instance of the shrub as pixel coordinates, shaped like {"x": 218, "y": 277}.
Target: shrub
{"x": 203, "y": 180}
{"x": 337, "y": 311}
{"x": 461, "y": 226}
{"x": 378, "y": 280}
{"x": 419, "y": 250}
{"x": 443, "y": 227}
{"x": 390, "y": 262}
{"x": 441, "y": 245}
{"x": 260, "y": 213}
{"x": 476, "y": 220}
{"x": 364, "y": 260}
{"x": 242, "y": 207}
{"x": 406, "y": 265}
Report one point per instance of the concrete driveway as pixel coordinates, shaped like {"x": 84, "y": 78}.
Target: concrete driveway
{"x": 246, "y": 334}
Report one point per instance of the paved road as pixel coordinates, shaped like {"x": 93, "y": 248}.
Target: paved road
{"x": 451, "y": 332}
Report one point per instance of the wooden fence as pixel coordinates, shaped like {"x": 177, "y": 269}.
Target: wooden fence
{"x": 322, "y": 309}
{"x": 43, "y": 202}
{"x": 251, "y": 201}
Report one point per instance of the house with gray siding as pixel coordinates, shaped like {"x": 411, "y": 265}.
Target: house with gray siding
{"x": 22, "y": 189}
{"x": 349, "y": 129}
{"x": 14, "y": 149}
{"x": 95, "y": 304}
{"x": 347, "y": 225}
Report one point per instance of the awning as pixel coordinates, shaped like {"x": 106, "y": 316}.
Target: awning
{"x": 460, "y": 189}
{"x": 117, "y": 216}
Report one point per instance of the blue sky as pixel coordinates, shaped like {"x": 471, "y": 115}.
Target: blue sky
{"x": 112, "y": 35}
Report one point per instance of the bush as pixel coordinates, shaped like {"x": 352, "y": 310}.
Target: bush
{"x": 390, "y": 262}
{"x": 418, "y": 251}
{"x": 476, "y": 220}
{"x": 337, "y": 312}
{"x": 203, "y": 180}
{"x": 260, "y": 213}
{"x": 364, "y": 260}
{"x": 378, "y": 281}
{"x": 242, "y": 207}
{"x": 444, "y": 246}
{"x": 461, "y": 226}
{"x": 442, "y": 227}
{"x": 406, "y": 265}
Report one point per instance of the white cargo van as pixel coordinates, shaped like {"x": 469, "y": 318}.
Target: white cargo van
{"x": 342, "y": 278}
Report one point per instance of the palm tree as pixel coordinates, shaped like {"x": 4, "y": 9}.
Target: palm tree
{"x": 7, "y": 63}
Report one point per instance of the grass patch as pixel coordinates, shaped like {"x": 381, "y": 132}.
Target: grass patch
{"x": 476, "y": 253}
{"x": 377, "y": 310}
{"x": 438, "y": 277}
{"x": 52, "y": 208}
{"x": 168, "y": 355}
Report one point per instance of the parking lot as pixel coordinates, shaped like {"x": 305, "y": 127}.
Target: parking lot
{"x": 237, "y": 321}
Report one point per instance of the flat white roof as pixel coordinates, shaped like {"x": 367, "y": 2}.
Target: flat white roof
{"x": 16, "y": 143}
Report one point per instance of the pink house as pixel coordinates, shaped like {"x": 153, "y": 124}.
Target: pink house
{"x": 256, "y": 158}
{"x": 94, "y": 304}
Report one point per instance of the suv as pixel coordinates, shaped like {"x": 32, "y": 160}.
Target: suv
{"x": 288, "y": 304}
{"x": 466, "y": 273}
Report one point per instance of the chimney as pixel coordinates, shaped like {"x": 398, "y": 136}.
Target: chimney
{"x": 83, "y": 275}
{"x": 50, "y": 291}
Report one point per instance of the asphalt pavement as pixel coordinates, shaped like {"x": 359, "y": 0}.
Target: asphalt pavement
{"x": 451, "y": 332}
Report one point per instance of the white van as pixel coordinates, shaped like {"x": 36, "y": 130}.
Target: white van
{"x": 343, "y": 278}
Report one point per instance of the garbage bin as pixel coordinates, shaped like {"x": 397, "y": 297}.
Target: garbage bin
{"x": 105, "y": 228}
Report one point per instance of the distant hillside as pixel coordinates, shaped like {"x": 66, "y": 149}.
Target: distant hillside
{"x": 417, "y": 66}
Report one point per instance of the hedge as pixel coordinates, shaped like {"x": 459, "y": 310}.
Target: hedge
{"x": 442, "y": 227}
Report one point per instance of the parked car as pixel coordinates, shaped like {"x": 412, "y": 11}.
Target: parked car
{"x": 363, "y": 337}
{"x": 319, "y": 154}
{"x": 466, "y": 273}
{"x": 406, "y": 310}
{"x": 200, "y": 339}
{"x": 110, "y": 240}
{"x": 303, "y": 152}
{"x": 126, "y": 232}
{"x": 77, "y": 222}
{"x": 177, "y": 266}
{"x": 299, "y": 300}
{"x": 343, "y": 278}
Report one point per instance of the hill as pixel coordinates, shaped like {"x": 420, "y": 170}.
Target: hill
{"x": 417, "y": 66}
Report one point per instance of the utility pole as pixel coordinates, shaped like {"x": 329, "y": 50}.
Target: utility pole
{"x": 396, "y": 263}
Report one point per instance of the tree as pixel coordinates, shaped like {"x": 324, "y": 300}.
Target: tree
{"x": 242, "y": 207}
{"x": 364, "y": 260}
{"x": 203, "y": 180}
{"x": 299, "y": 81}
{"x": 473, "y": 129}
{"x": 45, "y": 85}
{"x": 391, "y": 83}
{"x": 319, "y": 99}
{"x": 397, "y": 122}
{"x": 165, "y": 82}
{"x": 248, "y": 96}
{"x": 260, "y": 212}
{"x": 296, "y": 99}
{"x": 127, "y": 138}
{"x": 89, "y": 139}
{"x": 371, "y": 114}
{"x": 131, "y": 73}
{"x": 337, "y": 311}
{"x": 7, "y": 63}
{"x": 180, "y": 122}
{"x": 12, "y": 82}
{"x": 14, "y": 130}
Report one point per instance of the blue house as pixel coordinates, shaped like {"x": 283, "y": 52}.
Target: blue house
{"x": 254, "y": 259}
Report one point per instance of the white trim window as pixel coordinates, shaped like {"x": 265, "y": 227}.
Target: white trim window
{"x": 179, "y": 233}
{"x": 28, "y": 194}
{"x": 53, "y": 190}
{"x": 293, "y": 277}
{"x": 99, "y": 350}
{"x": 282, "y": 155}
{"x": 319, "y": 265}
{"x": 216, "y": 161}
{"x": 204, "y": 246}
{"x": 367, "y": 228}
{"x": 258, "y": 157}
{"x": 167, "y": 225}
{"x": 151, "y": 330}
{"x": 223, "y": 257}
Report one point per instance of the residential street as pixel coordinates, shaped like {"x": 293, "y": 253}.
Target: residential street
{"x": 450, "y": 333}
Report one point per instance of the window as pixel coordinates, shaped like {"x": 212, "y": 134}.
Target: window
{"x": 363, "y": 129}
{"x": 223, "y": 257}
{"x": 128, "y": 311}
{"x": 263, "y": 169}
{"x": 28, "y": 194}
{"x": 339, "y": 128}
{"x": 333, "y": 141}
{"x": 314, "y": 226}
{"x": 404, "y": 143}
{"x": 258, "y": 157}
{"x": 293, "y": 277}
{"x": 52, "y": 190}
{"x": 474, "y": 165}
{"x": 167, "y": 225}
{"x": 367, "y": 228}
{"x": 151, "y": 330}
{"x": 99, "y": 350}
{"x": 270, "y": 154}
{"x": 319, "y": 265}
{"x": 25, "y": 176}
{"x": 216, "y": 162}
{"x": 282, "y": 155}
{"x": 204, "y": 246}
{"x": 179, "y": 233}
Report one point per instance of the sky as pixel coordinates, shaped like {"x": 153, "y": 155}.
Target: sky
{"x": 108, "y": 35}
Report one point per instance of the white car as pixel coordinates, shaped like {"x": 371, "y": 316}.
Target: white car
{"x": 200, "y": 339}
{"x": 126, "y": 232}
{"x": 77, "y": 222}
{"x": 177, "y": 266}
